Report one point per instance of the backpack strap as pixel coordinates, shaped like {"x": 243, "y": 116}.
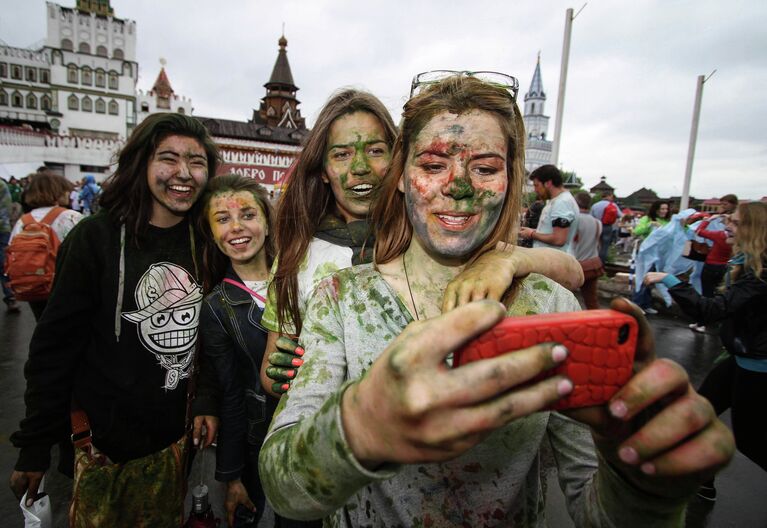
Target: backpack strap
{"x": 52, "y": 215}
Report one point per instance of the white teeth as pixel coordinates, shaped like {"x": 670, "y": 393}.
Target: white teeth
{"x": 180, "y": 188}
{"x": 239, "y": 240}
{"x": 362, "y": 189}
{"x": 454, "y": 220}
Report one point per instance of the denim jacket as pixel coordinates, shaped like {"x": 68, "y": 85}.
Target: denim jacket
{"x": 234, "y": 341}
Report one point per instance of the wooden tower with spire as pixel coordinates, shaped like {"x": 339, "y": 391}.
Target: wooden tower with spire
{"x": 279, "y": 108}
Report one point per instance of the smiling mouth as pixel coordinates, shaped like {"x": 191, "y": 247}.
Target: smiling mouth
{"x": 455, "y": 222}
{"x": 239, "y": 241}
{"x": 361, "y": 190}
{"x": 184, "y": 190}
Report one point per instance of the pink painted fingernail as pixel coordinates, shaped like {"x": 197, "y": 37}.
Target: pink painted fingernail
{"x": 564, "y": 387}
{"x": 558, "y": 353}
{"x": 297, "y": 362}
{"x": 285, "y": 386}
{"x": 299, "y": 351}
{"x": 290, "y": 373}
{"x": 628, "y": 455}
{"x": 648, "y": 468}
{"x": 618, "y": 409}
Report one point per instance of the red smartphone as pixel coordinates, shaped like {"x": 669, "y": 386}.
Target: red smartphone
{"x": 601, "y": 345}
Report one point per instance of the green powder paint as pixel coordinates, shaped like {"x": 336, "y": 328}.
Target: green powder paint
{"x": 541, "y": 285}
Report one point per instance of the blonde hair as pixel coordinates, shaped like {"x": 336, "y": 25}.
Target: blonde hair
{"x": 751, "y": 238}
{"x": 457, "y": 94}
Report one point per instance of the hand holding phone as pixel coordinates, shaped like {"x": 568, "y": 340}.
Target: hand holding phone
{"x": 601, "y": 345}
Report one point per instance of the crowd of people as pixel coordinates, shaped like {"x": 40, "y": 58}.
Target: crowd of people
{"x": 310, "y": 343}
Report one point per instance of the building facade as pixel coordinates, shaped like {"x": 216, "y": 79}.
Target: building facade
{"x": 537, "y": 147}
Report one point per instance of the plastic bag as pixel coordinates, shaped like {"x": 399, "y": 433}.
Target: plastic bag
{"x": 39, "y": 514}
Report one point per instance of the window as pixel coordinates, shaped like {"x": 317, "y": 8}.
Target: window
{"x": 32, "y": 101}
{"x": 45, "y": 76}
{"x": 73, "y": 103}
{"x": 118, "y": 54}
{"x": 145, "y": 107}
{"x": 114, "y": 108}
{"x": 114, "y": 83}
{"x": 181, "y": 110}
{"x": 45, "y": 103}
{"x": 15, "y": 71}
{"x": 127, "y": 70}
{"x": 31, "y": 74}
{"x": 72, "y": 74}
{"x": 3, "y": 98}
{"x": 84, "y": 47}
{"x": 101, "y": 51}
{"x": 66, "y": 45}
{"x": 17, "y": 100}
{"x": 86, "y": 76}
{"x": 87, "y": 104}
{"x": 3, "y": 69}
{"x": 101, "y": 78}
{"x": 101, "y": 106}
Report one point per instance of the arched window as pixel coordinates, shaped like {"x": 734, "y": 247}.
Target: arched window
{"x": 31, "y": 75}
{"x": 15, "y": 72}
{"x": 72, "y": 74}
{"x": 532, "y": 108}
{"x": 66, "y": 45}
{"x": 114, "y": 83}
{"x": 17, "y": 100}
{"x": 86, "y": 76}
{"x": 101, "y": 78}
{"x": 101, "y": 51}
{"x": 101, "y": 106}
{"x": 3, "y": 98}
{"x": 73, "y": 103}
{"x": 84, "y": 47}
{"x": 114, "y": 108}
{"x": 45, "y": 76}
{"x": 181, "y": 110}
{"x": 32, "y": 101}
{"x": 127, "y": 70}
{"x": 145, "y": 107}
{"x": 87, "y": 104}
{"x": 118, "y": 54}
{"x": 45, "y": 103}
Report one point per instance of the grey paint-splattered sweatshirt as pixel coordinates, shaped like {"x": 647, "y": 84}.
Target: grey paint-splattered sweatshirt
{"x": 308, "y": 470}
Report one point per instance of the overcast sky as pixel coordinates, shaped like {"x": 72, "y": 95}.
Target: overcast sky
{"x": 630, "y": 86}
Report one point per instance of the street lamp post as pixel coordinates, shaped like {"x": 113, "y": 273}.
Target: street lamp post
{"x": 685, "y": 202}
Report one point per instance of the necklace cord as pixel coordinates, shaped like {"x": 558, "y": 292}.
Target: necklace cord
{"x": 407, "y": 280}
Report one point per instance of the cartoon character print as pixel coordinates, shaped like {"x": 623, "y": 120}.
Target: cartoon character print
{"x": 168, "y": 300}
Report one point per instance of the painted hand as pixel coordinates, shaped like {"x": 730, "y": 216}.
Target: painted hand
{"x": 204, "y": 427}
{"x": 653, "y": 277}
{"x": 661, "y": 435}
{"x": 526, "y": 232}
{"x": 487, "y": 278}
{"x": 236, "y": 494}
{"x": 26, "y": 482}
{"x": 411, "y": 407}
{"x": 284, "y": 364}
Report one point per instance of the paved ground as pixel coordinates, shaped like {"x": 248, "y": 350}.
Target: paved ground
{"x": 742, "y": 486}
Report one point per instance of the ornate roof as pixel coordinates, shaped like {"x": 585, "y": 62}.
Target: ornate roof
{"x": 536, "y": 85}
{"x": 281, "y": 73}
{"x": 162, "y": 85}
{"x": 254, "y": 131}
{"x": 602, "y": 186}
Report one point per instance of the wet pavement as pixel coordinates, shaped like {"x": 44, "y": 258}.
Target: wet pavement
{"x": 742, "y": 486}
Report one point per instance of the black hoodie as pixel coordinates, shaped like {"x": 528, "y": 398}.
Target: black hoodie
{"x": 126, "y": 367}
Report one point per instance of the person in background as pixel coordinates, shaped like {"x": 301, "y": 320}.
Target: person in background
{"x": 46, "y": 192}
{"x": 89, "y": 194}
{"x": 377, "y": 429}
{"x": 740, "y": 381}
{"x": 586, "y": 245}
{"x": 658, "y": 216}
{"x": 559, "y": 218}
{"x": 607, "y": 212}
{"x": 6, "y": 204}
{"x": 74, "y": 199}
{"x": 625, "y": 229}
{"x": 715, "y": 266}
{"x": 530, "y": 219}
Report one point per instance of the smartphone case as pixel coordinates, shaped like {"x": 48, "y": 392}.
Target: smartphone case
{"x": 601, "y": 345}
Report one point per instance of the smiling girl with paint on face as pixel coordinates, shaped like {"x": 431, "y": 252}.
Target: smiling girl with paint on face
{"x": 238, "y": 251}
{"x": 322, "y": 227}
{"x": 377, "y": 429}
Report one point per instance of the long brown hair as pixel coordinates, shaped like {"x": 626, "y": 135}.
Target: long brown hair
{"x": 215, "y": 263}
{"x": 125, "y": 193}
{"x": 751, "y": 238}
{"x": 457, "y": 94}
{"x": 307, "y": 199}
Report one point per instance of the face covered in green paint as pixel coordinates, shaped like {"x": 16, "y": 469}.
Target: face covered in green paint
{"x": 356, "y": 159}
{"x": 455, "y": 182}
